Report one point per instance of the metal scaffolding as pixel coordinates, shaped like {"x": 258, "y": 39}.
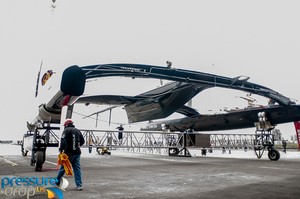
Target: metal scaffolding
{"x": 233, "y": 141}
{"x": 159, "y": 142}
{"x": 133, "y": 141}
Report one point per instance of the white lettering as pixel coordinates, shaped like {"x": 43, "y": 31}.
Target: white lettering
{"x": 74, "y": 142}
{"x": 24, "y": 190}
{"x": 19, "y": 191}
{"x": 132, "y": 69}
{"x": 8, "y": 191}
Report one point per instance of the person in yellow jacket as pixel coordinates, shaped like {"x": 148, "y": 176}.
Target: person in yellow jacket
{"x": 71, "y": 140}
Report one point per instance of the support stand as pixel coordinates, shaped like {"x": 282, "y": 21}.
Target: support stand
{"x": 183, "y": 152}
{"x": 264, "y": 139}
{"x": 40, "y": 142}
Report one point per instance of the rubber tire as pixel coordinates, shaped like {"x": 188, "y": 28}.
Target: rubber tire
{"x": 273, "y": 155}
{"x": 24, "y": 153}
{"x": 98, "y": 150}
{"x": 39, "y": 160}
{"x": 173, "y": 151}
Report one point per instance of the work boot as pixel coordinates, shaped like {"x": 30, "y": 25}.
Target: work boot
{"x": 79, "y": 188}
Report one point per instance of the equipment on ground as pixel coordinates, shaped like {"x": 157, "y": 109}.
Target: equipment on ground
{"x": 103, "y": 151}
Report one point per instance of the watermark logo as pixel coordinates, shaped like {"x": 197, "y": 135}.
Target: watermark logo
{"x": 30, "y": 186}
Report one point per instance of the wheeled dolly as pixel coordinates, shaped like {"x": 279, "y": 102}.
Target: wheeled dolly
{"x": 38, "y": 143}
{"x": 264, "y": 139}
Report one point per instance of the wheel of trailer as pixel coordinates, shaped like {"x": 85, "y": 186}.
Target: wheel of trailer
{"x": 173, "y": 151}
{"x": 24, "y": 153}
{"x": 39, "y": 160}
{"x": 98, "y": 149}
{"x": 274, "y": 155}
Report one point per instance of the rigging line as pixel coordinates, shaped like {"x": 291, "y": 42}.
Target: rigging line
{"x": 90, "y": 117}
{"x": 92, "y": 71}
{"x": 103, "y": 68}
{"x": 105, "y": 78}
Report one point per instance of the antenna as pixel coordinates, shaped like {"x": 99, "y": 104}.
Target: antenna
{"x": 38, "y": 80}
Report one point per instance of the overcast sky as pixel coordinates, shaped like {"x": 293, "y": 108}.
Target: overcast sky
{"x": 259, "y": 39}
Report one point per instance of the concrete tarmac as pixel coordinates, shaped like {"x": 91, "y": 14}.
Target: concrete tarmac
{"x": 159, "y": 176}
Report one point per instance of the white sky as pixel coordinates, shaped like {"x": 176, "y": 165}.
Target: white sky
{"x": 259, "y": 39}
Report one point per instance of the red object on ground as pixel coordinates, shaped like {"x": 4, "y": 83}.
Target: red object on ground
{"x": 297, "y": 127}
